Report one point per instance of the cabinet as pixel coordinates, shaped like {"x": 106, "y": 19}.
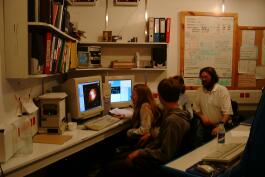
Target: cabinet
{"x": 152, "y": 56}
{"x": 17, "y": 42}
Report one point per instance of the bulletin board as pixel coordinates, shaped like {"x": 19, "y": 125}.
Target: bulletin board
{"x": 208, "y": 39}
{"x": 251, "y": 57}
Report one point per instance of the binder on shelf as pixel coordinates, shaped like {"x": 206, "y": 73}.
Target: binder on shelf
{"x": 162, "y": 30}
{"x": 151, "y": 22}
{"x": 168, "y": 25}
{"x": 156, "y": 30}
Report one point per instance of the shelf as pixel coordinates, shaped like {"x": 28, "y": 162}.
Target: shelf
{"x": 37, "y": 76}
{"x": 123, "y": 43}
{"x": 42, "y": 25}
{"x": 114, "y": 69}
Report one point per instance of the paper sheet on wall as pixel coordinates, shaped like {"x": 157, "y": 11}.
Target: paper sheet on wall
{"x": 246, "y": 80}
{"x": 263, "y": 49}
{"x": 192, "y": 81}
{"x": 248, "y": 52}
{"x": 247, "y": 66}
{"x": 260, "y": 72}
{"x": 248, "y": 37}
{"x": 208, "y": 42}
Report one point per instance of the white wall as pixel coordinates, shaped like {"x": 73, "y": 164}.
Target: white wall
{"x": 128, "y": 22}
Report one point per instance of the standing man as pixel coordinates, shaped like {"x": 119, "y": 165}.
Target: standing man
{"x": 212, "y": 105}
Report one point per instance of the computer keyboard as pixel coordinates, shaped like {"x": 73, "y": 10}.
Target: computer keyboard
{"x": 226, "y": 153}
{"x": 101, "y": 122}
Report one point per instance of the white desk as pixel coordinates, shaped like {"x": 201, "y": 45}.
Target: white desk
{"x": 45, "y": 154}
{"x": 238, "y": 134}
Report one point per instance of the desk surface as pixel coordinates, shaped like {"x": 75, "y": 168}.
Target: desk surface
{"x": 238, "y": 134}
{"x": 45, "y": 154}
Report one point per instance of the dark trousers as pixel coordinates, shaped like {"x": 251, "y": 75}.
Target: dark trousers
{"x": 203, "y": 134}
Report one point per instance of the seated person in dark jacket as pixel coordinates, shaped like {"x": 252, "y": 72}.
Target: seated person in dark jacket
{"x": 175, "y": 124}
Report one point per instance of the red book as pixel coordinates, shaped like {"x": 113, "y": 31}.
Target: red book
{"x": 48, "y": 53}
{"x": 168, "y": 23}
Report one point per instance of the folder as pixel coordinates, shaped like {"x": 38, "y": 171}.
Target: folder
{"x": 151, "y": 22}
{"x": 168, "y": 24}
{"x": 162, "y": 30}
{"x": 156, "y": 30}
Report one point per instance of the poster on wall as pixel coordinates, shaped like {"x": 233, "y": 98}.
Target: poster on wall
{"x": 208, "y": 42}
{"x": 126, "y": 2}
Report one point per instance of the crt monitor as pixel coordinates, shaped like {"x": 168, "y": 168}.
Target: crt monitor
{"x": 85, "y": 97}
{"x": 121, "y": 90}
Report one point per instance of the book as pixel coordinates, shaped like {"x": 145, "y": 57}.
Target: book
{"x": 73, "y": 61}
{"x": 168, "y": 25}
{"x": 55, "y": 7}
{"x": 48, "y": 46}
{"x": 61, "y": 57}
{"x": 123, "y": 64}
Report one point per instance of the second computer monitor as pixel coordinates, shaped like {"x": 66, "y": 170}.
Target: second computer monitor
{"x": 121, "y": 90}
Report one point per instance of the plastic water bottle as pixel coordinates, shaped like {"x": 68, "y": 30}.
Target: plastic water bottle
{"x": 221, "y": 133}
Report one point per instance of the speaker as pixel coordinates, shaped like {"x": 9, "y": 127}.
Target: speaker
{"x": 159, "y": 56}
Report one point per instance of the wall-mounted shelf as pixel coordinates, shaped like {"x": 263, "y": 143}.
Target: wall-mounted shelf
{"x": 19, "y": 38}
{"x": 112, "y": 69}
{"x": 123, "y": 43}
{"x": 50, "y": 27}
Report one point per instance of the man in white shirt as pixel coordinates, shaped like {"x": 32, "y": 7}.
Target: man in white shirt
{"x": 212, "y": 105}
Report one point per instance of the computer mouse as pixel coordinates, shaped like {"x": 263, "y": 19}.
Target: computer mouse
{"x": 205, "y": 168}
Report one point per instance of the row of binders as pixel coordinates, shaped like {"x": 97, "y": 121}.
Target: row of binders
{"x": 50, "y": 54}
{"x": 159, "y": 29}
{"x": 49, "y": 11}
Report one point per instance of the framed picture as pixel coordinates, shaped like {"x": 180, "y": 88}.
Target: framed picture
{"x": 84, "y": 2}
{"x": 126, "y": 2}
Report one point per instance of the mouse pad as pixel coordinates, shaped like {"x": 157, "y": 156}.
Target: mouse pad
{"x": 218, "y": 169}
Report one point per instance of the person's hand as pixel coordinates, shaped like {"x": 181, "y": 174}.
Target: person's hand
{"x": 215, "y": 131}
{"x": 143, "y": 140}
{"x": 134, "y": 154}
{"x": 120, "y": 116}
{"x": 206, "y": 121}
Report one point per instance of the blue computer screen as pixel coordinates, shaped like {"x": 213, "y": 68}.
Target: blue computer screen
{"x": 121, "y": 90}
{"x": 89, "y": 95}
